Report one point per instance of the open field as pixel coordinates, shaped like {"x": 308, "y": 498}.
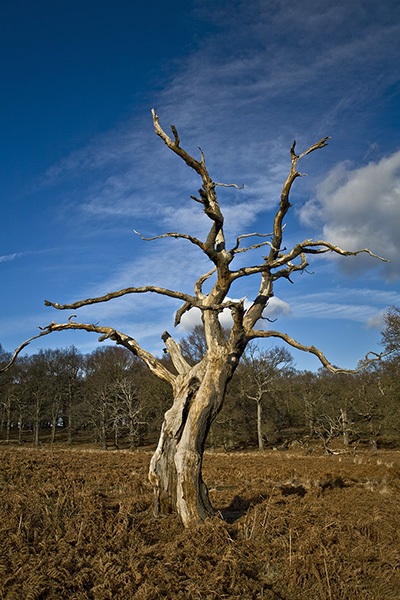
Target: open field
{"x": 78, "y": 525}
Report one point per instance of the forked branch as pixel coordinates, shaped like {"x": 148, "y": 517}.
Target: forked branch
{"x": 306, "y": 247}
{"x": 198, "y": 286}
{"x": 214, "y": 246}
{"x": 317, "y": 247}
{"x": 284, "y": 203}
{"x": 236, "y": 248}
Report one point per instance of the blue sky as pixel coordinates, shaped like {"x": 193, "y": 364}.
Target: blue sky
{"x": 81, "y": 167}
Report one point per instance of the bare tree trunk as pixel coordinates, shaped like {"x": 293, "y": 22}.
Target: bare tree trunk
{"x": 345, "y": 427}
{"x": 103, "y": 434}
{"x": 132, "y": 432}
{"x": 36, "y": 422}
{"x": 373, "y": 444}
{"x": 311, "y": 422}
{"x": 2, "y": 419}
{"x": 8, "y": 412}
{"x": 116, "y": 434}
{"x": 53, "y": 428}
{"x": 69, "y": 413}
{"x": 175, "y": 469}
{"x": 36, "y": 433}
{"x": 54, "y": 420}
{"x": 20, "y": 428}
{"x": 259, "y": 426}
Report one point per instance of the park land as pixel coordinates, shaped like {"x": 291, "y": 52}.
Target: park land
{"x": 292, "y": 525}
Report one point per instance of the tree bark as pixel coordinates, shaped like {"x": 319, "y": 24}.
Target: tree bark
{"x": 176, "y": 467}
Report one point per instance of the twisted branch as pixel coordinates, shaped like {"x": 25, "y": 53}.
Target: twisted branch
{"x": 198, "y": 286}
{"x": 253, "y": 334}
{"x": 214, "y": 246}
{"x": 172, "y": 234}
{"x": 107, "y": 333}
{"x": 306, "y": 247}
{"x": 131, "y": 290}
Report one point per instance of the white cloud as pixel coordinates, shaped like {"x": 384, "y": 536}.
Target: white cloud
{"x": 190, "y": 319}
{"x": 275, "y": 308}
{"x": 360, "y": 208}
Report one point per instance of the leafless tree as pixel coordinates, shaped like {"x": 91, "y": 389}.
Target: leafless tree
{"x": 264, "y": 369}
{"x": 391, "y": 330}
{"x": 175, "y": 470}
{"x": 129, "y": 409}
{"x": 329, "y": 428}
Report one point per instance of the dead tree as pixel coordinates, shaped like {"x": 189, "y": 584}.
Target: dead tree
{"x": 175, "y": 470}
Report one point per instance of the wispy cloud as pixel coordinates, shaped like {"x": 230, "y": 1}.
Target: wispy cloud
{"x": 234, "y": 95}
{"x": 361, "y": 305}
{"x": 8, "y": 257}
{"x": 16, "y": 255}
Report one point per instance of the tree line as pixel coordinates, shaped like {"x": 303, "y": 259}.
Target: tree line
{"x": 110, "y": 398}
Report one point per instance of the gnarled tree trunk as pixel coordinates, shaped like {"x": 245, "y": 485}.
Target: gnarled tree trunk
{"x": 175, "y": 469}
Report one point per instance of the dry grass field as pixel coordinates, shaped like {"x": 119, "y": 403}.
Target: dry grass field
{"x": 78, "y": 525}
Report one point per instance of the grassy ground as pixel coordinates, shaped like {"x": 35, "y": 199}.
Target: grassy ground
{"x": 78, "y": 525}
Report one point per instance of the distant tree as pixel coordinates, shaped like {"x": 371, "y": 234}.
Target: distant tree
{"x": 308, "y": 390}
{"x": 369, "y": 406}
{"x": 5, "y": 393}
{"x": 128, "y": 409}
{"x": 120, "y": 395}
{"x": 71, "y": 371}
{"x": 391, "y": 330}
{"x": 388, "y": 384}
{"x": 335, "y": 396}
{"x": 194, "y": 345}
{"x": 38, "y": 383}
{"x": 263, "y": 374}
{"x": 199, "y": 390}
{"x": 105, "y": 369}
{"x": 4, "y": 357}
